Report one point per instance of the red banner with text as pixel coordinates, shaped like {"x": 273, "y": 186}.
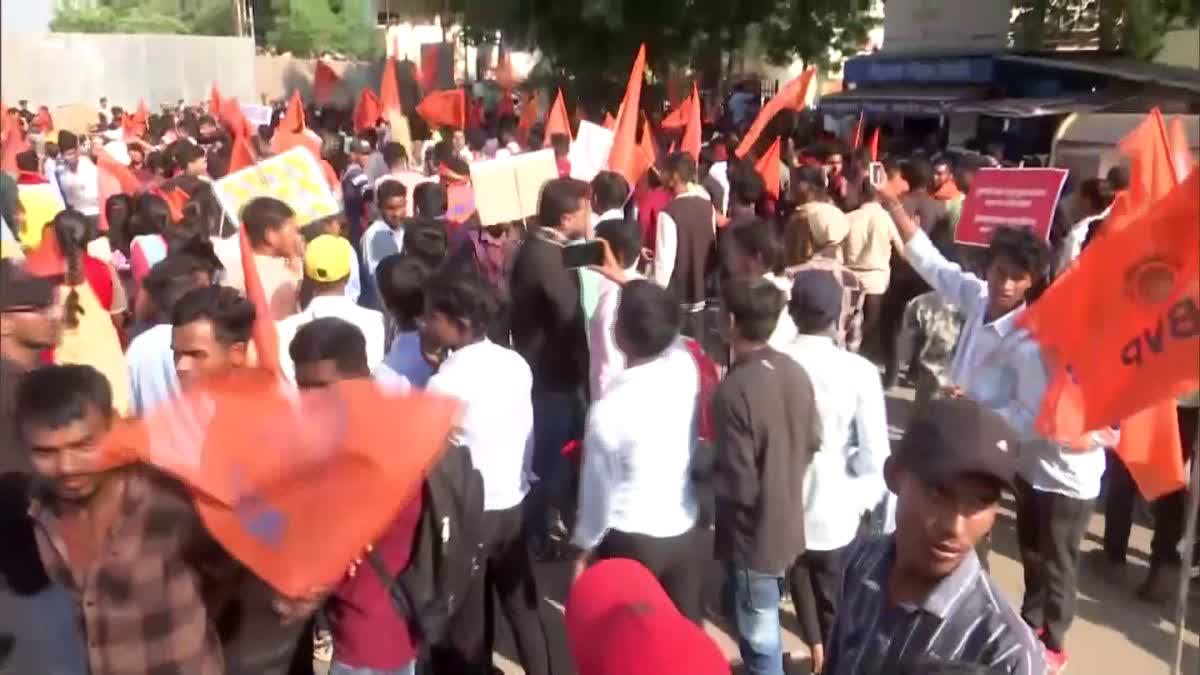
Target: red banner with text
{"x": 1009, "y": 198}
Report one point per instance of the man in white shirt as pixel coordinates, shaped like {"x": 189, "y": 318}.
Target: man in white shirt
{"x": 495, "y": 385}
{"x": 79, "y": 177}
{"x": 327, "y": 262}
{"x": 637, "y": 497}
{"x": 610, "y": 191}
{"x": 845, "y": 478}
{"x": 386, "y": 236}
{"x": 606, "y": 361}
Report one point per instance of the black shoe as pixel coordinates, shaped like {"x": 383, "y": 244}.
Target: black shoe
{"x": 1159, "y": 584}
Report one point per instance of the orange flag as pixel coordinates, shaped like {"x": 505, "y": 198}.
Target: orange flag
{"x": 623, "y": 158}
{"x": 389, "y": 89}
{"x": 214, "y": 101}
{"x": 325, "y": 83}
{"x": 690, "y": 143}
{"x": 610, "y": 122}
{"x": 14, "y": 142}
{"x": 263, "y": 465}
{"x": 557, "y": 121}
{"x": 266, "y": 339}
{"x": 678, "y": 118}
{"x": 856, "y": 136}
{"x": 293, "y": 132}
{"x": 367, "y": 111}
{"x": 176, "y": 198}
{"x": 768, "y": 167}
{"x": 873, "y": 146}
{"x": 445, "y": 108}
{"x": 529, "y": 111}
{"x": 1177, "y": 141}
{"x": 647, "y": 149}
{"x": 128, "y": 182}
{"x": 793, "y": 96}
{"x": 135, "y": 125}
{"x": 234, "y": 119}
{"x": 1152, "y": 171}
{"x": 293, "y": 117}
{"x": 241, "y": 155}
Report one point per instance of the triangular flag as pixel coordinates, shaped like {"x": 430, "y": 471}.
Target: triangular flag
{"x": 647, "y": 149}
{"x": 214, "y": 101}
{"x": 266, "y": 339}
{"x": 610, "y": 122}
{"x": 793, "y": 96}
{"x": 135, "y": 125}
{"x": 873, "y": 146}
{"x": 856, "y": 134}
{"x": 325, "y": 83}
{"x": 557, "y": 121}
{"x": 769, "y": 168}
{"x": 367, "y": 111}
{"x": 529, "y": 111}
{"x": 444, "y": 109}
{"x": 234, "y": 119}
{"x": 105, "y": 163}
{"x": 389, "y": 88}
{"x": 241, "y": 155}
{"x": 623, "y": 158}
{"x": 690, "y": 143}
{"x": 1177, "y": 141}
{"x": 293, "y": 117}
{"x": 1152, "y": 171}
{"x": 678, "y": 118}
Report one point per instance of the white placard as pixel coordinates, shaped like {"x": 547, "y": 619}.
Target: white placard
{"x": 589, "y": 151}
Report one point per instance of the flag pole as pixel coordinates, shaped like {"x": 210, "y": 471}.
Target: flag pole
{"x": 1189, "y": 549}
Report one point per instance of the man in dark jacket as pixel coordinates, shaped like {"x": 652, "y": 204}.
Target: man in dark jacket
{"x": 767, "y": 431}
{"x": 548, "y": 331}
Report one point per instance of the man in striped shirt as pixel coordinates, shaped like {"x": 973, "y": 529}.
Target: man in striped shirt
{"x": 921, "y": 592}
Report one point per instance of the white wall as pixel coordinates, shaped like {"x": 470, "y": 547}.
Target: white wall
{"x": 26, "y": 16}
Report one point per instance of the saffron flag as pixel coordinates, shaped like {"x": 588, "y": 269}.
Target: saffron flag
{"x": 445, "y": 109}
{"x": 793, "y": 96}
{"x": 367, "y": 111}
{"x": 557, "y": 121}
{"x": 529, "y": 111}
{"x": 293, "y": 132}
{"x": 873, "y": 146}
{"x": 14, "y": 143}
{"x": 241, "y": 155}
{"x": 623, "y": 158}
{"x": 678, "y": 118}
{"x": 690, "y": 143}
{"x": 135, "y": 125}
{"x": 234, "y": 119}
{"x": 325, "y": 83}
{"x": 263, "y": 465}
{"x": 214, "y": 100}
{"x": 647, "y": 149}
{"x": 128, "y": 182}
{"x": 769, "y": 167}
{"x": 293, "y": 117}
{"x": 856, "y": 136}
{"x": 266, "y": 339}
{"x": 1177, "y": 142}
{"x": 389, "y": 88}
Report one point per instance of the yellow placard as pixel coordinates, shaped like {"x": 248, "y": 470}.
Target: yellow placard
{"x": 292, "y": 177}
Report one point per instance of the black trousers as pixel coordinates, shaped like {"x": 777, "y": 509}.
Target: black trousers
{"x": 815, "y": 581}
{"x": 672, "y": 560}
{"x": 904, "y": 286}
{"x": 872, "y": 339}
{"x": 1119, "y": 499}
{"x": 1050, "y": 527}
{"x": 507, "y": 574}
{"x": 1170, "y": 511}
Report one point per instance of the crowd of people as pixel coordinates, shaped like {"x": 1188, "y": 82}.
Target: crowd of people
{"x": 713, "y": 389}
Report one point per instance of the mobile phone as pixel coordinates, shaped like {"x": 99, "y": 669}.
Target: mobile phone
{"x": 878, "y": 174}
{"x": 583, "y": 255}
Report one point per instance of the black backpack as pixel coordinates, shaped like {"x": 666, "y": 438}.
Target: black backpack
{"x": 446, "y": 550}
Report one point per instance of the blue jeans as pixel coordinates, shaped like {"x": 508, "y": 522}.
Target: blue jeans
{"x": 341, "y": 669}
{"x": 752, "y": 606}
{"x": 557, "y": 419}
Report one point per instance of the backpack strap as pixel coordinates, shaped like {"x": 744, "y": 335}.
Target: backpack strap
{"x": 400, "y": 600}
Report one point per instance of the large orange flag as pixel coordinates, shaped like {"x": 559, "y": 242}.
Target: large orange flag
{"x": 445, "y": 108}
{"x": 1119, "y": 337}
{"x": 690, "y": 143}
{"x": 325, "y": 83}
{"x": 769, "y": 168}
{"x": 1152, "y": 170}
{"x": 1181, "y": 151}
{"x": 678, "y": 118}
{"x": 367, "y": 111}
{"x": 129, "y": 183}
{"x": 389, "y": 89}
{"x": 241, "y": 154}
{"x": 623, "y": 158}
{"x": 292, "y": 132}
{"x": 234, "y": 119}
{"x": 293, "y": 116}
{"x": 793, "y": 96}
{"x": 557, "y": 121}
{"x": 264, "y": 465}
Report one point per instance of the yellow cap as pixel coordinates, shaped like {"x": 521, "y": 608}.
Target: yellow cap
{"x": 328, "y": 259}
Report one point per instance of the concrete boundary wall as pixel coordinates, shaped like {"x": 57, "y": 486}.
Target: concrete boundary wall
{"x": 57, "y": 69}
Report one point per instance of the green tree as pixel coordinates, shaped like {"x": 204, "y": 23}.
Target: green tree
{"x": 201, "y": 17}
{"x": 819, "y": 32}
{"x": 310, "y": 27}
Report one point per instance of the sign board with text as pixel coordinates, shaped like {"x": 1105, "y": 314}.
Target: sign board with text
{"x": 293, "y": 177}
{"x": 508, "y": 189}
{"x": 1009, "y": 198}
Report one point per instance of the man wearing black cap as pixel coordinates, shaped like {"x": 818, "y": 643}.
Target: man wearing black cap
{"x": 30, "y": 321}
{"x": 921, "y": 589}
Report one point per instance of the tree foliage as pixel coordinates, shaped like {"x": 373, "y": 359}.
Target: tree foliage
{"x": 1135, "y": 27}
{"x": 198, "y": 17}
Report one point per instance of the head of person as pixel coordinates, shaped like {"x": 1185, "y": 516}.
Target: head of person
{"x": 834, "y": 161}
{"x": 392, "y": 199}
{"x": 624, "y": 237}
{"x": 564, "y": 205}
{"x": 948, "y": 473}
{"x": 430, "y": 200}
{"x": 271, "y": 227}
{"x": 30, "y": 317}
{"x": 28, "y": 161}
{"x": 209, "y": 130}
{"x": 753, "y": 250}
{"x": 815, "y": 304}
{"x": 50, "y": 149}
{"x": 427, "y": 241}
{"x": 68, "y": 143}
{"x": 917, "y": 173}
{"x": 459, "y": 309}
{"x": 648, "y": 321}
{"x": 943, "y": 172}
{"x": 459, "y": 140}
{"x": 1016, "y": 263}
{"x": 746, "y": 186}
{"x": 137, "y": 156}
{"x": 210, "y": 333}
{"x": 610, "y": 190}
{"x": 360, "y": 151}
{"x": 171, "y": 279}
{"x": 401, "y": 282}
{"x": 1118, "y": 178}
{"x": 328, "y": 350}
{"x": 750, "y": 310}
{"x": 680, "y": 171}
{"x": 1096, "y": 195}
{"x": 395, "y": 156}
{"x": 188, "y": 159}
{"x": 327, "y": 261}
{"x": 965, "y": 172}
{"x": 72, "y": 231}
{"x": 65, "y": 412}
{"x": 809, "y": 184}
{"x": 561, "y": 144}
{"x": 895, "y": 178}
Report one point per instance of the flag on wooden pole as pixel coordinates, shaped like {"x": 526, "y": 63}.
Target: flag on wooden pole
{"x": 623, "y": 158}
{"x": 793, "y": 96}
{"x": 690, "y": 143}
